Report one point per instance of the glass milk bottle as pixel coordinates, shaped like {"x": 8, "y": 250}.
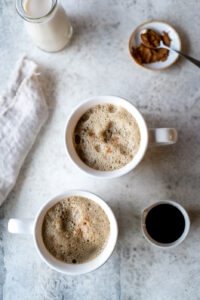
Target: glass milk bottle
{"x": 46, "y": 23}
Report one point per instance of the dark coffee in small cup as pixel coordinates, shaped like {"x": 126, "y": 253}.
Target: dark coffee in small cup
{"x": 165, "y": 223}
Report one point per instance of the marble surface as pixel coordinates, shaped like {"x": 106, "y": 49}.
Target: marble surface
{"x": 97, "y": 62}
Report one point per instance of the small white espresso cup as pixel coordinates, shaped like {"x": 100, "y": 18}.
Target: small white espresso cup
{"x": 166, "y": 245}
{"x": 149, "y": 137}
{"x": 34, "y": 227}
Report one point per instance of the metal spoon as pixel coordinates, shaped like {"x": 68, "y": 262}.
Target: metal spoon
{"x": 162, "y": 45}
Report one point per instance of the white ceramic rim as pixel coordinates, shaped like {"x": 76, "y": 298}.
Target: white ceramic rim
{"x": 72, "y": 269}
{"x": 80, "y": 110}
{"x": 180, "y": 239}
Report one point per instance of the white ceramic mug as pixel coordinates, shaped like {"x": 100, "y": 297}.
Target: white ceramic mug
{"x": 34, "y": 227}
{"x": 180, "y": 239}
{"x": 149, "y": 137}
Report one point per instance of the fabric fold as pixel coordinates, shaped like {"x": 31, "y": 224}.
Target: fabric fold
{"x": 23, "y": 111}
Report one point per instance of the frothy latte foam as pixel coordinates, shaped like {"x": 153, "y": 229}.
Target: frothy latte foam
{"x": 107, "y": 137}
{"x": 75, "y": 230}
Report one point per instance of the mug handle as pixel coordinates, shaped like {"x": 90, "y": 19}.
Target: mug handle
{"x": 22, "y": 226}
{"x": 162, "y": 136}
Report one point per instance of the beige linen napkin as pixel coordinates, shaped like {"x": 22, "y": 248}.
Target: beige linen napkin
{"x": 23, "y": 111}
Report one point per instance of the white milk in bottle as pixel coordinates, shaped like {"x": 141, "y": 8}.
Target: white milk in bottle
{"x": 46, "y": 23}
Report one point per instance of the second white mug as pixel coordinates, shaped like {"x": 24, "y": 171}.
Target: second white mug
{"x": 34, "y": 227}
{"x": 149, "y": 136}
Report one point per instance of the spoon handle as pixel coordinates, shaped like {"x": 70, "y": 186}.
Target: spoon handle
{"x": 193, "y": 60}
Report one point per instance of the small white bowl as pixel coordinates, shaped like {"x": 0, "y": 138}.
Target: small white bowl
{"x": 166, "y": 245}
{"x": 158, "y": 26}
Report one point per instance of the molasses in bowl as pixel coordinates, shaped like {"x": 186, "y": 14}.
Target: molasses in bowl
{"x": 154, "y": 59}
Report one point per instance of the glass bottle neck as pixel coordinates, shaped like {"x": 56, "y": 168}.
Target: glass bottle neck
{"x": 22, "y": 11}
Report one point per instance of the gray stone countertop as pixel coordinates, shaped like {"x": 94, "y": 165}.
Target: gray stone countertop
{"x": 97, "y": 62}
